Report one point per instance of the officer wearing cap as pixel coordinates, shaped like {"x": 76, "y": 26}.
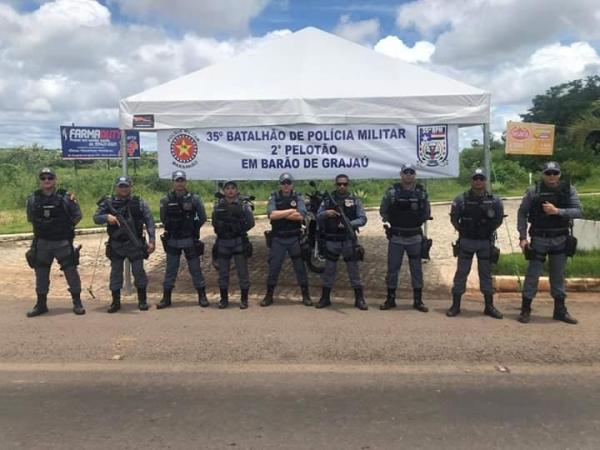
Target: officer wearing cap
{"x": 549, "y": 207}
{"x": 182, "y": 214}
{"x": 476, "y": 215}
{"x": 404, "y": 209}
{"x": 232, "y": 218}
{"x": 286, "y": 211}
{"x": 125, "y": 216}
{"x": 338, "y": 241}
{"x": 54, "y": 214}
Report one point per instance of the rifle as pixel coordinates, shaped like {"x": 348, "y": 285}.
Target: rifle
{"x": 124, "y": 224}
{"x": 351, "y": 233}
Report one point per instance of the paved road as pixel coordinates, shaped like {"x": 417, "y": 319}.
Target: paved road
{"x": 306, "y": 408}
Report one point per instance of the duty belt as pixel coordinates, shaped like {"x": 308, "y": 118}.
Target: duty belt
{"x": 550, "y": 233}
{"x": 286, "y": 234}
{"x": 336, "y": 237}
{"x": 405, "y": 232}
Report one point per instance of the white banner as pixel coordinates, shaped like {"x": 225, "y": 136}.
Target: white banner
{"x": 309, "y": 151}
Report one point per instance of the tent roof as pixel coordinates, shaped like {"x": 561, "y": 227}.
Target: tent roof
{"x": 310, "y": 76}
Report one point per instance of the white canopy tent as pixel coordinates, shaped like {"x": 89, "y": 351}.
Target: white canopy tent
{"x": 309, "y": 77}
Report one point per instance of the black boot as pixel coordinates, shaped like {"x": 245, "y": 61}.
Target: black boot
{"x": 142, "y": 299}
{"x": 224, "y": 300}
{"x": 244, "y": 299}
{"x": 359, "y": 299}
{"x": 418, "y": 300}
{"x": 116, "y": 302}
{"x": 78, "y": 308}
{"x": 561, "y": 313}
{"x": 325, "y": 299}
{"x": 454, "y": 310}
{"x": 490, "y": 309}
{"x": 268, "y": 300}
{"x": 525, "y": 310}
{"x": 165, "y": 301}
{"x": 390, "y": 300}
{"x": 306, "y": 301}
{"x": 202, "y": 300}
{"x": 40, "y": 306}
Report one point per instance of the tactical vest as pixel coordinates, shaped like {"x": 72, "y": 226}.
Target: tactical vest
{"x": 332, "y": 224}
{"x": 181, "y": 221}
{"x": 407, "y": 211}
{"x": 559, "y": 196}
{"x": 130, "y": 208}
{"x": 285, "y": 227}
{"x": 478, "y": 217}
{"x": 228, "y": 219}
{"x": 51, "y": 218}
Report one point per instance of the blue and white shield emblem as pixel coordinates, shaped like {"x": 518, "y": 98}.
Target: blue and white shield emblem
{"x": 432, "y": 145}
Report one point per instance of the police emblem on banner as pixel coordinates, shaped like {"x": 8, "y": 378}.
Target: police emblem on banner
{"x": 183, "y": 145}
{"x": 432, "y": 145}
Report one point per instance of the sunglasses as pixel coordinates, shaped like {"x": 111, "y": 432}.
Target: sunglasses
{"x": 551, "y": 173}
{"x": 47, "y": 178}
{"x": 478, "y": 178}
{"x": 286, "y": 182}
{"x": 342, "y": 184}
{"x": 409, "y": 172}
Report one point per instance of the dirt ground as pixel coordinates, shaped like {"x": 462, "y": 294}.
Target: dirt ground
{"x": 287, "y": 332}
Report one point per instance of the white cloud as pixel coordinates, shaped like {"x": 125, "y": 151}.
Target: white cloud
{"x": 68, "y": 62}
{"x": 485, "y": 32}
{"x": 393, "y": 46}
{"x": 362, "y": 31}
{"x": 205, "y": 17}
{"x": 546, "y": 67}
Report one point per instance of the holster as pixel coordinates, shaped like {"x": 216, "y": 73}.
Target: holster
{"x": 532, "y": 255}
{"x": 456, "y": 248}
{"x": 570, "y": 245}
{"x": 76, "y": 255}
{"x": 199, "y": 247}
{"x": 426, "y": 247}
{"x": 494, "y": 254}
{"x": 164, "y": 238}
{"x": 247, "y": 248}
{"x": 358, "y": 253}
{"x": 31, "y": 254}
{"x": 268, "y": 238}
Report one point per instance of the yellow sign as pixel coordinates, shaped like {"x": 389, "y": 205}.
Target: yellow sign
{"x": 523, "y": 138}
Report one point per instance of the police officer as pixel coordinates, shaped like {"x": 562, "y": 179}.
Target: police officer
{"x": 549, "y": 206}
{"x": 286, "y": 210}
{"x": 54, "y": 214}
{"x": 232, "y": 218}
{"x": 122, "y": 212}
{"x": 476, "y": 215}
{"x": 182, "y": 214}
{"x": 404, "y": 209}
{"x": 338, "y": 241}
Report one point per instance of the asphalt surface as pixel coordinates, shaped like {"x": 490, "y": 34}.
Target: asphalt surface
{"x": 302, "y": 408}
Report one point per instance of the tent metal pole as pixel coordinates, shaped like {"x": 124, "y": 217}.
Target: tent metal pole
{"x": 127, "y": 280}
{"x": 487, "y": 155}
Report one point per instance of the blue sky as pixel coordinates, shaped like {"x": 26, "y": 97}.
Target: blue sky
{"x": 64, "y": 61}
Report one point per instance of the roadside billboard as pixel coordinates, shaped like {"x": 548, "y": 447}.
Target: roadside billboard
{"x": 524, "y": 138}
{"x": 97, "y": 143}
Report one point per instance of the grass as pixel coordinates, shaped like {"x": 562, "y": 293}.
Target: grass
{"x": 92, "y": 179}
{"x": 584, "y": 264}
